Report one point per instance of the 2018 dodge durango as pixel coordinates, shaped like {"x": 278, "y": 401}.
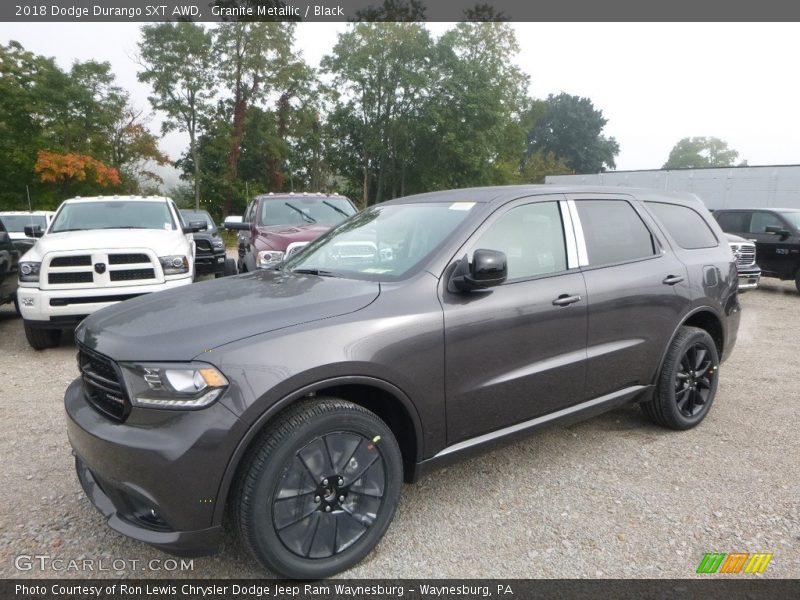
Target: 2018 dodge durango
{"x": 315, "y": 388}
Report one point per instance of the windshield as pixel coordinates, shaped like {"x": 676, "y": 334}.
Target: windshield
{"x": 793, "y": 218}
{"x": 113, "y": 214}
{"x": 197, "y": 215}
{"x": 382, "y": 243}
{"x": 19, "y": 222}
{"x": 303, "y": 210}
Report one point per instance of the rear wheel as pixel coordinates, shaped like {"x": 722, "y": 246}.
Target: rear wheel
{"x": 40, "y": 339}
{"x": 688, "y": 381}
{"x": 319, "y": 489}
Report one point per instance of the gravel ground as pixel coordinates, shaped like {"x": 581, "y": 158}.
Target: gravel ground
{"x": 611, "y": 497}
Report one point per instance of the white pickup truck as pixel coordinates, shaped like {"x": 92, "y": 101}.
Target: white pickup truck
{"x": 99, "y": 251}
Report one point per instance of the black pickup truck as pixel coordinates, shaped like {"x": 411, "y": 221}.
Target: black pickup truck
{"x": 209, "y": 246}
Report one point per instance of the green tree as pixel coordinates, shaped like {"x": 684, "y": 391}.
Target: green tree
{"x": 254, "y": 59}
{"x": 177, "y": 61}
{"x": 699, "y": 153}
{"x": 572, "y": 130}
{"x": 382, "y": 73}
{"x": 472, "y": 131}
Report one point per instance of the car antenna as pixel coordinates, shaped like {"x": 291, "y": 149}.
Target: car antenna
{"x": 28, "y": 192}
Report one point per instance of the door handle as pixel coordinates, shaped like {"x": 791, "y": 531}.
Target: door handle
{"x": 566, "y": 300}
{"x": 672, "y": 279}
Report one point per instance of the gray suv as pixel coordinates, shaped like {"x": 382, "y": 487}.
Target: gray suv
{"x": 413, "y": 333}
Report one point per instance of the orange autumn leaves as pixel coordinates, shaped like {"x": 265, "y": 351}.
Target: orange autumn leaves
{"x": 54, "y": 167}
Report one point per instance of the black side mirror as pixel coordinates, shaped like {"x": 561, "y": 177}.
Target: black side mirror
{"x": 784, "y": 233}
{"x": 33, "y": 231}
{"x": 195, "y": 226}
{"x": 4, "y": 237}
{"x": 488, "y": 269}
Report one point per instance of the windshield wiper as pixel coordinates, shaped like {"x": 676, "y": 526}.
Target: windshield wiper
{"x": 336, "y": 208}
{"x": 308, "y": 218}
{"x": 73, "y": 229}
{"x": 128, "y": 227}
{"x": 312, "y": 271}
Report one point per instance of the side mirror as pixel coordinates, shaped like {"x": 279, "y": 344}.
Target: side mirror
{"x": 488, "y": 269}
{"x": 195, "y": 226}
{"x": 33, "y": 231}
{"x": 4, "y": 237}
{"x": 235, "y": 223}
{"x": 784, "y": 233}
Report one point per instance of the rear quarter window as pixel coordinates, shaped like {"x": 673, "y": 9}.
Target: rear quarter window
{"x": 614, "y": 232}
{"x": 686, "y": 226}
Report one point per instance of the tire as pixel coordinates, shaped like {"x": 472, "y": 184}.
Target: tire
{"x": 16, "y": 305}
{"x": 41, "y": 339}
{"x": 230, "y": 267}
{"x": 687, "y": 383}
{"x": 797, "y": 281}
{"x": 348, "y": 506}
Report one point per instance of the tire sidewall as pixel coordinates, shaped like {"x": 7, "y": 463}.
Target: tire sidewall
{"x": 265, "y": 539}
{"x": 669, "y": 374}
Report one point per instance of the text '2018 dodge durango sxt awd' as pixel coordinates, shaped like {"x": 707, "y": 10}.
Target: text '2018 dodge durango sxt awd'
{"x": 315, "y": 388}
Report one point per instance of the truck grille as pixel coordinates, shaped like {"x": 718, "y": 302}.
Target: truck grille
{"x": 204, "y": 246}
{"x": 132, "y": 274}
{"x": 80, "y": 277}
{"x": 747, "y": 255}
{"x": 101, "y": 269}
{"x": 83, "y": 260}
{"x": 102, "y": 384}
{"x": 127, "y": 259}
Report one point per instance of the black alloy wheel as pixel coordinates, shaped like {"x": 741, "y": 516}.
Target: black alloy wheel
{"x": 687, "y": 382}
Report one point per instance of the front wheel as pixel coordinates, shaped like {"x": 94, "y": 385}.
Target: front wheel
{"x": 230, "y": 267}
{"x": 688, "y": 381}
{"x": 797, "y": 281}
{"x": 40, "y": 339}
{"x": 319, "y": 489}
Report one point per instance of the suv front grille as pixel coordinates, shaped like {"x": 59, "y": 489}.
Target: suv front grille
{"x": 102, "y": 384}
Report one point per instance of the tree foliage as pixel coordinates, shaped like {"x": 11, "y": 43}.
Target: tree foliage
{"x": 571, "y": 129}
{"x": 699, "y": 153}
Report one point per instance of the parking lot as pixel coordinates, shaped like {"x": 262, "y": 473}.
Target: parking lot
{"x": 611, "y": 497}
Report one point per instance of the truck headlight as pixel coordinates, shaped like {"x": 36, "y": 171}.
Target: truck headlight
{"x": 268, "y": 258}
{"x": 218, "y": 244}
{"x": 29, "y": 271}
{"x": 174, "y": 265}
{"x": 174, "y": 386}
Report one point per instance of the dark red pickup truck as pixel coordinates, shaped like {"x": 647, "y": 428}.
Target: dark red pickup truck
{"x": 275, "y": 226}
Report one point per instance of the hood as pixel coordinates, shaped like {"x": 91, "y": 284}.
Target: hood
{"x": 736, "y": 239}
{"x": 182, "y": 323}
{"x": 280, "y": 236}
{"x": 162, "y": 242}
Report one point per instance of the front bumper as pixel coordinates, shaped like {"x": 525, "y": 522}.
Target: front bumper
{"x": 207, "y": 263}
{"x": 156, "y": 476}
{"x": 749, "y": 278}
{"x": 57, "y": 306}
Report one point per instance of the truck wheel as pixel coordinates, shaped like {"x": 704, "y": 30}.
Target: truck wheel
{"x": 16, "y": 305}
{"x": 230, "y": 267}
{"x": 318, "y": 489}
{"x": 688, "y": 381}
{"x": 40, "y": 339}
{"x": 797, "y": 280}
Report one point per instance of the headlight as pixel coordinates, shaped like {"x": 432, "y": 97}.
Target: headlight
{"x": 218, "y": 244}
{"x": 29, "y": 271}
{"x": 174, "y": 265}
{"x": 177, "y": 386}
{"x": 268, "y": 258}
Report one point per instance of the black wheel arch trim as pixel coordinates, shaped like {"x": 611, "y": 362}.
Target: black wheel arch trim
{"x": 274, "y": 409}
{"x": 684, "y": 319}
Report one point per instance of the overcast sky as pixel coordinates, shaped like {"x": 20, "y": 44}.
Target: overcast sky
{"x": 655, "y": 83}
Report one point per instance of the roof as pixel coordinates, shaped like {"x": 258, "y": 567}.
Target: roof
{"x": 34, "y": 213}
{"x": 80, "y": 199}
{"x": 504, "y": 193}
{"x": 298, "y": 195}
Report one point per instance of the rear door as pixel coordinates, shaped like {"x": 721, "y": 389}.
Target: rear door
{"x": 511, "y": 354}
{"x": 773, "y": 251}
{"x": 636, "y": 291}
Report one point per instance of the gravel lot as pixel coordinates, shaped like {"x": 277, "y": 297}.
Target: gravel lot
{"x": 611, "y": 497}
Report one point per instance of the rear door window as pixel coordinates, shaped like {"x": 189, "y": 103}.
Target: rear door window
{"x": 685, "y": 225}
{"x": 614, "y": 232}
